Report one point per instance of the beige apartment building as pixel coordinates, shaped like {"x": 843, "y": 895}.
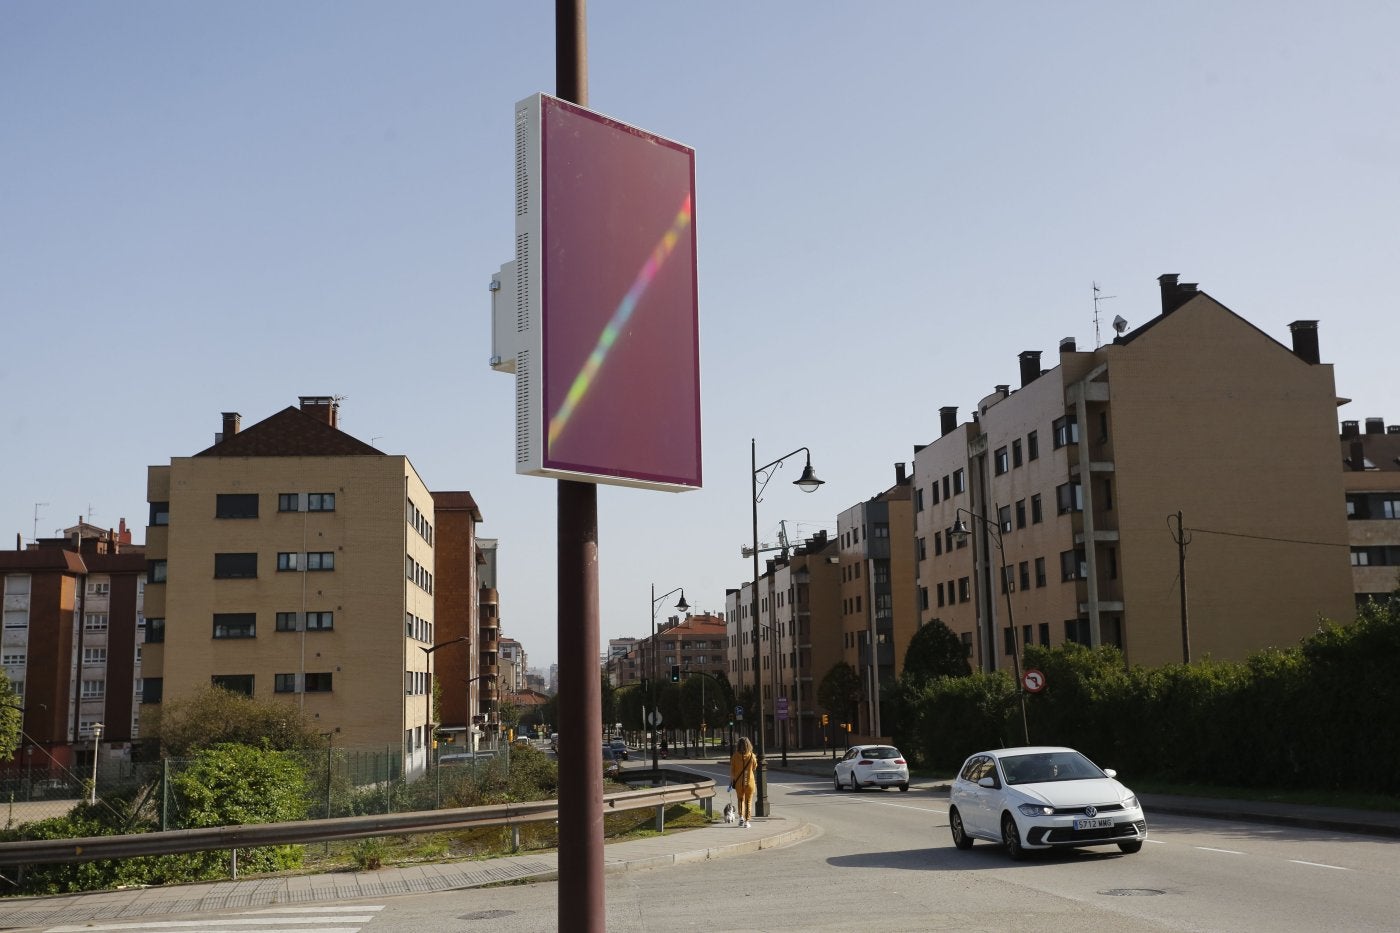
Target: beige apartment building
{"x": 1371, "y": 465}
{"x": 1073, "y": 482}
{"x": 291, "y": 561}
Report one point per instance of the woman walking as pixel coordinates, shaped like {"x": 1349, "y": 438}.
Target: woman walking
{"x": 743, "y": 765}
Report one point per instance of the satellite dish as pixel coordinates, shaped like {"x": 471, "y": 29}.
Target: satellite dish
{"x": 1119, "y": 324}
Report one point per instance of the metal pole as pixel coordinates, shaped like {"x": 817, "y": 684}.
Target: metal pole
{"x": 97, "y": 728}
{"x": 761, "y": 803}
{"x": 651, "y": 729}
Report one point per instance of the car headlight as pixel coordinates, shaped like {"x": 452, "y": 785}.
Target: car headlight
{"x": 1131, "y": 803}
{"x": 1035, "y": 809}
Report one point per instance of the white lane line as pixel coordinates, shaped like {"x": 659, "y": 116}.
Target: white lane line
{"x": 1226, "y": 851}
{"x": 1298, "y": 861}
{"x": 1155, "y": 842}
{"x": 311, "y": 910}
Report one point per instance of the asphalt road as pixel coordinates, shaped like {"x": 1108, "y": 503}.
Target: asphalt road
{"x": 884, "y": 861}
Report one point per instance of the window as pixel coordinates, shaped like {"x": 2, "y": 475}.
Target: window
{"x": 935, "y": 492}
{"x": 918, "y": 500}
{"x": 288, "y": 502}
{"x": 1037, "y": 514}
{"x": 1008, "y": 579}
{"x": 1071, "y": 565}
{"x": 1025, "y": 572}
{"x": 923, "y": 597}
{"x": 1069, "y": 497}
{"x": 964, "y": 589}
{"x": 13, "y": 657}
{"x": 1016, "y": 452}
{"x": 152, "y": 689}
{"x": 921, "y": 548}
{"x": 320, "y": 502}
{"x": 959, "y": 482}
{"x": 1001, "y": 462}
{"x": 947, "y": 494}
{"x": 236, "y": 505}
{"x": 937, "y": 544}
{"x": 233, "y": 683}
{"x": 287, "y": 622}
{"x": 85, "y": 725}
{"x": 95, "y": 622}
{"x": 1032, "y": 446}
{"x": 320, "y": 560}
{"x": 288, "y": 560}
{"x": 99, "y": 589}
{"x": 94, "y": 657}
{"x": 1040, "y": 571}
{"x": 17, "y": 584}
{"x": 320, "y": 621}
{"x": 16, "y": 618}
{"x": 1077, "y": 631}
{"x": 284, "y": 683}
{"x": 235, "y": 566}
{"x": 94, "y": 689}
{"x": 1045, "y": 634}
{"x": 1008, "y": 637}
{"x": 1113, "y": 563}
{"x": 160, "y": 513}
{"x": 939, "y": 594}
{"x": 1066, "y": 431}
{"x": 235, "y": 624}
{"x": 155, "y": 571}
{"x": 318, "y": 683}
{"x": 1004, "y": 518}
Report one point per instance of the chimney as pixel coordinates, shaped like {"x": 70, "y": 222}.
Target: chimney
{"x": 1375, "y": 425}
{"x": 1168, "y": 285}
{"x": 1305, "y": 341}
{"x": 899, "y": 474}
{"x": 1030, "y": 366}
{"x": 947, "y": 420}
{"x": 232, "y": 421}
{"x": 321, "y": 407}
{"x": 1067, "y": 345}
{"x": 1003, "y": 391}
{"x": 1351, "y": 428}
{"x": 1358, "y": 456}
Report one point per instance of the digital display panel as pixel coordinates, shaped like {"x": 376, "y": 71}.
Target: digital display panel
{"x": 619, "y": 291}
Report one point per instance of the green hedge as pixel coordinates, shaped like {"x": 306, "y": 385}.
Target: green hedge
{"x": 1324, "y": 715}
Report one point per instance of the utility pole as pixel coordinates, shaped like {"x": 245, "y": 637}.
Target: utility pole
{"x": 1180, "y": 537}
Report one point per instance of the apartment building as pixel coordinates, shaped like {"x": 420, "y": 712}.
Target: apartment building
{"x": 457, "y": 602}
{"x": 291, "y": 561}
{"x": 487, "y": 716}
{"x": 71, "y": 646}
{"x": 879, "y": 610}
{"x": 692, "y": 643}
{"x": 1071, "y": 487}
{"x": 1371, "y": 476}
{"x": 807, "y": 625}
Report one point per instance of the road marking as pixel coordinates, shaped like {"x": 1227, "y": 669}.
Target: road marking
{"x": 1226, "y": 851}
{"x": 1155, "y": 842}
{"x": 311, "y": 910}
{"x": 1298, "y": 861}
{"x": 282, "y": 923}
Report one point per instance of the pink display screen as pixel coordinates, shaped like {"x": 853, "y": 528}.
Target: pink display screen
{"x": 621, "y": 326}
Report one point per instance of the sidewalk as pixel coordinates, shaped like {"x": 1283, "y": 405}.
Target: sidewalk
{"x": 719, "y": 840}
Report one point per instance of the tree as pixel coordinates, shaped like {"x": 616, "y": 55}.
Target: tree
{"x": 840, "y": 692}
{"x": 934, "y": 651}
{"x": 10, "y": 719}
{"x": 212, "y": 716}
{"x": 609, "y": 704}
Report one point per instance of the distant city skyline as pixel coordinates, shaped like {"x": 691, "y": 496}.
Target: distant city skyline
{"x": 221, "y": 207}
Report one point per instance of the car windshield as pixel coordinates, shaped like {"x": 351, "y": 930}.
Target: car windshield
{"x": 881, "y": 751}
{"x": 1048, "y": 766}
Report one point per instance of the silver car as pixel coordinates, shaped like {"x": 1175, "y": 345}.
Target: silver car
{"x": 1042, "y": 797}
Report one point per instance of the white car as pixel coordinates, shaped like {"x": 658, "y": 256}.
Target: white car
{"x": 872, "y": 766}
{"x": 1042, "y": 797}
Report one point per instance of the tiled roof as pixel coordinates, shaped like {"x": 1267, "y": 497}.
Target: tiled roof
{"x": 290, "y": 433}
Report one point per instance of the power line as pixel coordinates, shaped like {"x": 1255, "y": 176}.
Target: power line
{"x": 1240, "y": 534}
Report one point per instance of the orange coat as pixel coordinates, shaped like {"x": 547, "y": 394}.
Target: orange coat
{"x": 741, "y": 772}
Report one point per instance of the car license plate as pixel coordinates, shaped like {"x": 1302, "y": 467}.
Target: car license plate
{"x": 1093, "y": 824}
{"x": 887, "y": 776}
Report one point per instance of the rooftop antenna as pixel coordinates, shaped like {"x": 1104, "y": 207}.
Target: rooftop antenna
{"x": 1097, "y": 298}
{"x": 35, "y": 535}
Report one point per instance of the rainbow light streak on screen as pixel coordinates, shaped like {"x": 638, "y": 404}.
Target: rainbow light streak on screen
{"x": 579, "y": 387}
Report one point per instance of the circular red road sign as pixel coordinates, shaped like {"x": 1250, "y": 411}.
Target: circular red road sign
{"x": 1033, "y": 680}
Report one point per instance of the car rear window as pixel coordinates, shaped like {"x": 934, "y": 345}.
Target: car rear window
{"x": 883, "y": 751}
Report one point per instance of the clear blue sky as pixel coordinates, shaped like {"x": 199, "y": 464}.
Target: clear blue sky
{"x": 211, "y": 207}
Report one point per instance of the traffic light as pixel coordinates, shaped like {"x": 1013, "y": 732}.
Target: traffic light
{"x": 675, "y": 673}
{"x": 824, "y": 719}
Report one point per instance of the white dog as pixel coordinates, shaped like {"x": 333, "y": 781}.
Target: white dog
{"x": 731, "y": 813}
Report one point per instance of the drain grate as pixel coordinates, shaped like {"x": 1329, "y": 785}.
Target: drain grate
{"x": 1132, "y": 892}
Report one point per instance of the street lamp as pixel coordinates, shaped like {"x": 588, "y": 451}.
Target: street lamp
{"x": 97, "y": 728}
{"x": 807, "y": 482}
{"x": 681, "y": 606}
{"x": 960, "y": 534}
{"x": 428, "y": 698}
{"x": 468, "y": 682}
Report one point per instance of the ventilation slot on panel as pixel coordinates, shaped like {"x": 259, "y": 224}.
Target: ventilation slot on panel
{"x": 522, "y": 407}
{"x": 522, "y": 178}
{"x": 522, "y": 283}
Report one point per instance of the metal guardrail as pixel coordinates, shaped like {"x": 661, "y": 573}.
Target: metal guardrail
{"x": 92, "y": 848}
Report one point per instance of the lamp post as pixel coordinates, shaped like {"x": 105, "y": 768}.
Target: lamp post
{"x": 656, "y": 601}
{"x": 97, "y": 728}
{"x": 428, "y": 698}
{"x": 807, "y": 482}
{"x": 960, "y": 533}
{"x": 468, "y": 682}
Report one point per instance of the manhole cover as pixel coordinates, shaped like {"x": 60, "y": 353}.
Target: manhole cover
{"x": 1132, "y": 892}
{"x": 486, "y": 915}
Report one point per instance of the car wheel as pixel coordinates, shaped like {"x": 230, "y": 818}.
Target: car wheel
{"x": 855, "y": 785}
{"x": 1129, "y": 848}
{"x": 904, "y": 788}
{"x": 838, "y": 783}
{"x": 960, "y": 837}
{"x": 1012, "y": 838}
